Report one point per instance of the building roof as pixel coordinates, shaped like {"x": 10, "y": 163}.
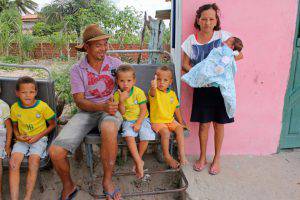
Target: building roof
{"x": 30, "y": 17}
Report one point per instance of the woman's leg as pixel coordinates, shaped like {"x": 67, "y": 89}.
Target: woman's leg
{"x": 203, "y": 137}
{"x": 33, "y": 170}
{"x": 14, "y": 174}
{"x": 219, "y": 135}
{"x": 139, "y": 163}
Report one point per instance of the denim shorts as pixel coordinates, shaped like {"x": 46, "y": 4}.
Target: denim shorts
{"x": 145, "y": 133}
{"x": 2, "y": 144}
{"x": 79, "y": 125}
{"x": 38, "y": 148}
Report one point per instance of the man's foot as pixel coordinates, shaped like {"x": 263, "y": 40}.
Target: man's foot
{"x": 199, "y": 165}
{"x": 215, "y": 167}
{"x": 139, "y": 169}
{"x": 68, "y": 195}
{"x": 111, "y": 192}
{"x": 172, "y": 162}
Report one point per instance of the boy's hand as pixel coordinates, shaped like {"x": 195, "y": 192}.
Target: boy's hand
{"x": 22, "y": 138}
{"x": 33, "y": 139}
{"x": 8, "y": 151}
{"x": 123, "y": 95}
{"x": 111, "y": 107}
{"x": 136, "y": 127}
{"x": 154, "y": 82}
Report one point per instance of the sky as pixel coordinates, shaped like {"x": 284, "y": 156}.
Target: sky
{"x": 150, "y": 6}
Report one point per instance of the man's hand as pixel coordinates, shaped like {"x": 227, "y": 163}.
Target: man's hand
{"x": 123, "y": 95}
{"x": 154, "y": 82}
{"x": 7, "y": 150}
{"x": 136, "y": 127}
{"x": 111, "y": 107}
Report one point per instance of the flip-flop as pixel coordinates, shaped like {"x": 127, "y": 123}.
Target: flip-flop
{"x": 213, "y": 172}
{"x": 71, "y": 196}
{"x": 199, "y": 169}
{"x": 111, "y": 194}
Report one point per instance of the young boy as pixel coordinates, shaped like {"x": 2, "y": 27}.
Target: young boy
{"x": 29, "y": 118}
{"x": 132, "y": 105}
{"x": 163, "y": 105}
{"x": 5, "y": 136}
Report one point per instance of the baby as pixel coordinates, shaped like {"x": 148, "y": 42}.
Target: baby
{"x": 218, "y": 70}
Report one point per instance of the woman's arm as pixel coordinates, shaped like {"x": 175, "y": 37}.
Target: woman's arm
{"x": 186, "y": 65}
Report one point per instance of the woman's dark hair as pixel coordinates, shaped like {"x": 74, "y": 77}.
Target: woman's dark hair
{"x": 204, "y": 8}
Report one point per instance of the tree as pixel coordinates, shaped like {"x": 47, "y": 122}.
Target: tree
{"x": 23, "y": 6}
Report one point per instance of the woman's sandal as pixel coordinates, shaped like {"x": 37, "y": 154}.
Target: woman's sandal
{"x": 213, "y": 171}
{"x": 199, "y": 169}
{"x": 111, "y": 194}
{"x": 70, "y": 196}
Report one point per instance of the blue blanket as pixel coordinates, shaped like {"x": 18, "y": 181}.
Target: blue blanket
{"x": 218, "y": 69}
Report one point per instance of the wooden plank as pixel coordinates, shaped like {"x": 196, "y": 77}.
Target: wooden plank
{"x": 163, "y": 14}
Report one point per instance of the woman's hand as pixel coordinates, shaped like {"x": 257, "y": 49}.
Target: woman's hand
{"x": 186, "y": 63}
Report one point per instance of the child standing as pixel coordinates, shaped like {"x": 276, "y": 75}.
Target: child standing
{"x": 163, "y": 105}
{"x": 29, "y": 117}
{"x": 5, "y": 136}
{"x": 132, "y": 105}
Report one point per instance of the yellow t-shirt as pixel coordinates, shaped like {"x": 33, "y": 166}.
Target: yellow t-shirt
{"x": 31, "y": 120}
{"x": 132, "y": 104}
{"x": 163, "y": 106}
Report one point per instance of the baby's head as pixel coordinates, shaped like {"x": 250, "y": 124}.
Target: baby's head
{"x": 26, "y": 90}
{"x": 125, "y": 77}
{"x": 234, "y": 43}
{"x": 164, "y": 78}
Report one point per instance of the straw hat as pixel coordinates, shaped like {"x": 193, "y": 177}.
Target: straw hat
{"x": 91, "y": 33}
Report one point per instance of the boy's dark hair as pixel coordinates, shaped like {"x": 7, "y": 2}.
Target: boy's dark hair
{"x": 166, "y": 68}
{"x": 238, "y": 44}
{"x": 24, "y": 80}
{"x": 125, "y": 68}
{"x": 204, "y": 8}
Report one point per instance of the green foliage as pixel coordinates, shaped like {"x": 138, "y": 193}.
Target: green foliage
{"x": 42, "y": 29}
{"x": 27, "y": 44}
{"x": 10, "y": 59}
{"x": 22, "y": 6}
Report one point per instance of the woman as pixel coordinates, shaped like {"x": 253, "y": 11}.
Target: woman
{"x": 208, "y": 104}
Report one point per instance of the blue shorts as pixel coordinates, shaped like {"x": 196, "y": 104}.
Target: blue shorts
{"x": 2, "y": 144}
{"x": 145, "y": 133}
{"x": 37, "y": 148}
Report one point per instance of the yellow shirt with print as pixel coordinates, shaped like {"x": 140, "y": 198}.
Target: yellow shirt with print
{"x": 163, "y": 106}
{"x": 132, "y": 104}
{"x": 31, "y": 120}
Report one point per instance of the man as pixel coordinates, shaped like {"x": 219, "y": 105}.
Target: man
{"x": 93, "y": 84}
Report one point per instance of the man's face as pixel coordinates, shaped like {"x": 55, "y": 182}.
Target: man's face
{"x": 97, "y": 49}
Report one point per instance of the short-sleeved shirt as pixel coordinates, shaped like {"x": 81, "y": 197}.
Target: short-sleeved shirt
{"x": 187, "y": 45}
{"x": 97, "y": 87}
{"x": 163, "y": 106}
{"x": 4, "y": 115}
{"x": 132, "y": 104}
{"x": 31, "y": 120}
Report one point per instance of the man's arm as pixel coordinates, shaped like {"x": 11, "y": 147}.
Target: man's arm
{"x": 81, "y": 102}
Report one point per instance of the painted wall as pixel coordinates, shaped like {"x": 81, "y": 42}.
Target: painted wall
{"x": 267, "y": 30}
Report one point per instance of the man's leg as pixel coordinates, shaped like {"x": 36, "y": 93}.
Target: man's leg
{"x": 68, "y": 140}
{"x": 14, "y": 174}
{"x": 33, "y": 169}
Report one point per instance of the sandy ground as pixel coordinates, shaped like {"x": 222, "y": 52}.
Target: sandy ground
{"x": 275, "y": 177}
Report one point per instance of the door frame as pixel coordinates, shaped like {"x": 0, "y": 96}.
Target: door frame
{"x": 286, "y": 115}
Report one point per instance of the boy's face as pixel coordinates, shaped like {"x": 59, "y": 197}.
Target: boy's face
{"x": 164, "y": 79}
{"x": 229, "y": 42}
{"x": 125, "y": 80}
{"x": 27, "y": 93}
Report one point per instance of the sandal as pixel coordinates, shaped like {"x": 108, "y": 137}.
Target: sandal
{"x": 199, "y": 169}
{"x": 213, "y": 171}
{"x": 111, "y": 194}
{"x": 70, "y": 196}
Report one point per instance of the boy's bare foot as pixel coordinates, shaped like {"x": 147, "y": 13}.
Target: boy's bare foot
{"x": 199, "y": 165}
{"x": 139, "y": 169}
{"x": 172, "y": 162}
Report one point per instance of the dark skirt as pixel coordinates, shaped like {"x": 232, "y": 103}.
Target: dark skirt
{"x": 208, "y": 106}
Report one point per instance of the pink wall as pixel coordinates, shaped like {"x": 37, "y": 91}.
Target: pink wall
{"x": 267, "y": 29}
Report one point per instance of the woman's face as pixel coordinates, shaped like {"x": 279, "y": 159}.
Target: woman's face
{"x": 207, "y": 20}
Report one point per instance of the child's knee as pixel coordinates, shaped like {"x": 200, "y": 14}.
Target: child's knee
{"x": 33, "y": 165}
{"x": 14, "y": 164}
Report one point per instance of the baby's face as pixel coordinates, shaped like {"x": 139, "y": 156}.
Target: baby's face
{"x": 229, "y": 42}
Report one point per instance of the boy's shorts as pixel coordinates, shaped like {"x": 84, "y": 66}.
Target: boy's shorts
{"x": 37, "y": 148}
{"x": 2, "y": 144}
{"x": 145, "y": 133}
{"x": 171, "y": 126}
